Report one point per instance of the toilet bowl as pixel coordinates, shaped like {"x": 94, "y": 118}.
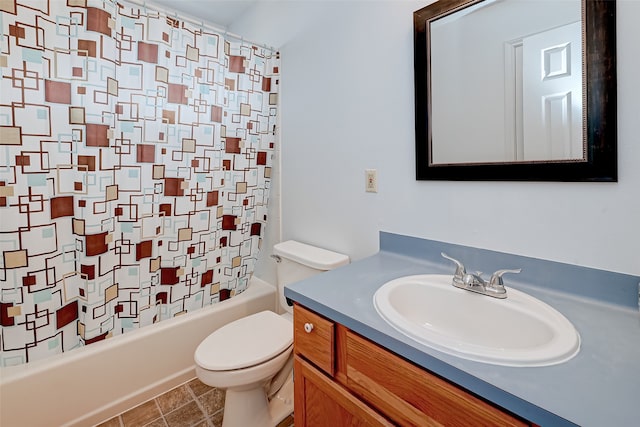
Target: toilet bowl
{"x": 252, "y": 358}
{"x": 241, "y": 357}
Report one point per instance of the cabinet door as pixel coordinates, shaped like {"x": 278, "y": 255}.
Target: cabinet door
{"x": 320, "y": 402}
{"x": 411, "y": 396}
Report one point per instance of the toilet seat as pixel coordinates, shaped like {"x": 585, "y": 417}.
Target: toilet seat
{"x": 245, "y": 342}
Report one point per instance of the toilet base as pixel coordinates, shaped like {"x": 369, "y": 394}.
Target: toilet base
{"x": 281, "y": 405}
{"x": 246, "y": 408}
{"x": 251, "y": 407}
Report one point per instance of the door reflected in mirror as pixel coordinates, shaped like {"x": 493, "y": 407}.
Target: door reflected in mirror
{"x": 513, "y": 82}
{"x": 516, "y": 90}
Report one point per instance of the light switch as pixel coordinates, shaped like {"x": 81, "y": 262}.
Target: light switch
{"x": 371, "y": 180}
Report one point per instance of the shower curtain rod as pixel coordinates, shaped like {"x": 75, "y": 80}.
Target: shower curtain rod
{"x": 188, "y": 18}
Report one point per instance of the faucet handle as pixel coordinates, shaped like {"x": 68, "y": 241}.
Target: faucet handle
{"x": 460, "y": 270}
{"x": 496, "y": 278}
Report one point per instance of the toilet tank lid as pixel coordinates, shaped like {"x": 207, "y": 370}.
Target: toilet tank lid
{"x": 311, "y": 256}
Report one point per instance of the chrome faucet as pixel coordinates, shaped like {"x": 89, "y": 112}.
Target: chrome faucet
{"x": 494, "y": 287}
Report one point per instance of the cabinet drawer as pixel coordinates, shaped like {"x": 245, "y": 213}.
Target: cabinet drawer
{"x": 411, "y": 396}
{"x": 313, "y": 338}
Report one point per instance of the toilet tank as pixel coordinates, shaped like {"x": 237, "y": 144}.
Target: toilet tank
{"x": 297, "y": 261}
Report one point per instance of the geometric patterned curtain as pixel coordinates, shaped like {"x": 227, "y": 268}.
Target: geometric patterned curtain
{"x": 135, "y": 164}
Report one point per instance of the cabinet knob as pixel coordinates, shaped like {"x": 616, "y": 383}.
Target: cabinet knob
{"x": 308, "y": 327}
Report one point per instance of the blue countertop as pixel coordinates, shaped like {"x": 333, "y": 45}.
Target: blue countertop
{"x": 598, "y": 387}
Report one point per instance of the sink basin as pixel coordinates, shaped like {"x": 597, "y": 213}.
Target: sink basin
{"x": 517, "y": 331}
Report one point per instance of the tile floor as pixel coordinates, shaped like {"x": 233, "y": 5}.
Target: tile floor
{"x": 192, "y": 404}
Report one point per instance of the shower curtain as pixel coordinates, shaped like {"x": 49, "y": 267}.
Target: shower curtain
{"x": 135, "y": 164}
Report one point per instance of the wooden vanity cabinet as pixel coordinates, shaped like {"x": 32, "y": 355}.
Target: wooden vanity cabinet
{"x": 343, "y": 379}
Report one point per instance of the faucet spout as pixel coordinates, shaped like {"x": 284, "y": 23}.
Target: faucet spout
{"x": 474, "y": 280}
{"x": 494, "y": 287}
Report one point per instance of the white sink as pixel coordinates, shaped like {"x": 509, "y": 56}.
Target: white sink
{"x": 517, "y": 331}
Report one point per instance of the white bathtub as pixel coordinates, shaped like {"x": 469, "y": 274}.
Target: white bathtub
{"x": 92, "y": 384}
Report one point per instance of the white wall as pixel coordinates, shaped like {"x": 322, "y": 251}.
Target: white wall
{"x": 347, "y": 105}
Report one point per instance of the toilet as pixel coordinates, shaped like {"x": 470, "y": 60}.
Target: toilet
{"x": 252, "y": 357}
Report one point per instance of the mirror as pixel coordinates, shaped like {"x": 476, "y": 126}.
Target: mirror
{"x": 516, "y": 90}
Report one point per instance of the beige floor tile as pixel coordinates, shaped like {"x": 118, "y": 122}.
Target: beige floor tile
{"x": 180, "y": 410}
{"x": 160, "y": 422}
{"x": 187, "y": 415}
{"x": 198, "y": 387}
{"x": 174, "y": 399}
{"x": 141, "y": 415}
{"x": 113, "y": 422}
{"x": 216, "y": 419}
{"x": 287, "y": 422}
{"x": 212, "y": 401}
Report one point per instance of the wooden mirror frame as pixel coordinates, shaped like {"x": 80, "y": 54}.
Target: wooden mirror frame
{"x": 599, "y": 54}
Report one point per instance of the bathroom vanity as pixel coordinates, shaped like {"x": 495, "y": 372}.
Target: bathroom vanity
{"x": 343, "y": 379}
{"x": 353, "y": 368}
